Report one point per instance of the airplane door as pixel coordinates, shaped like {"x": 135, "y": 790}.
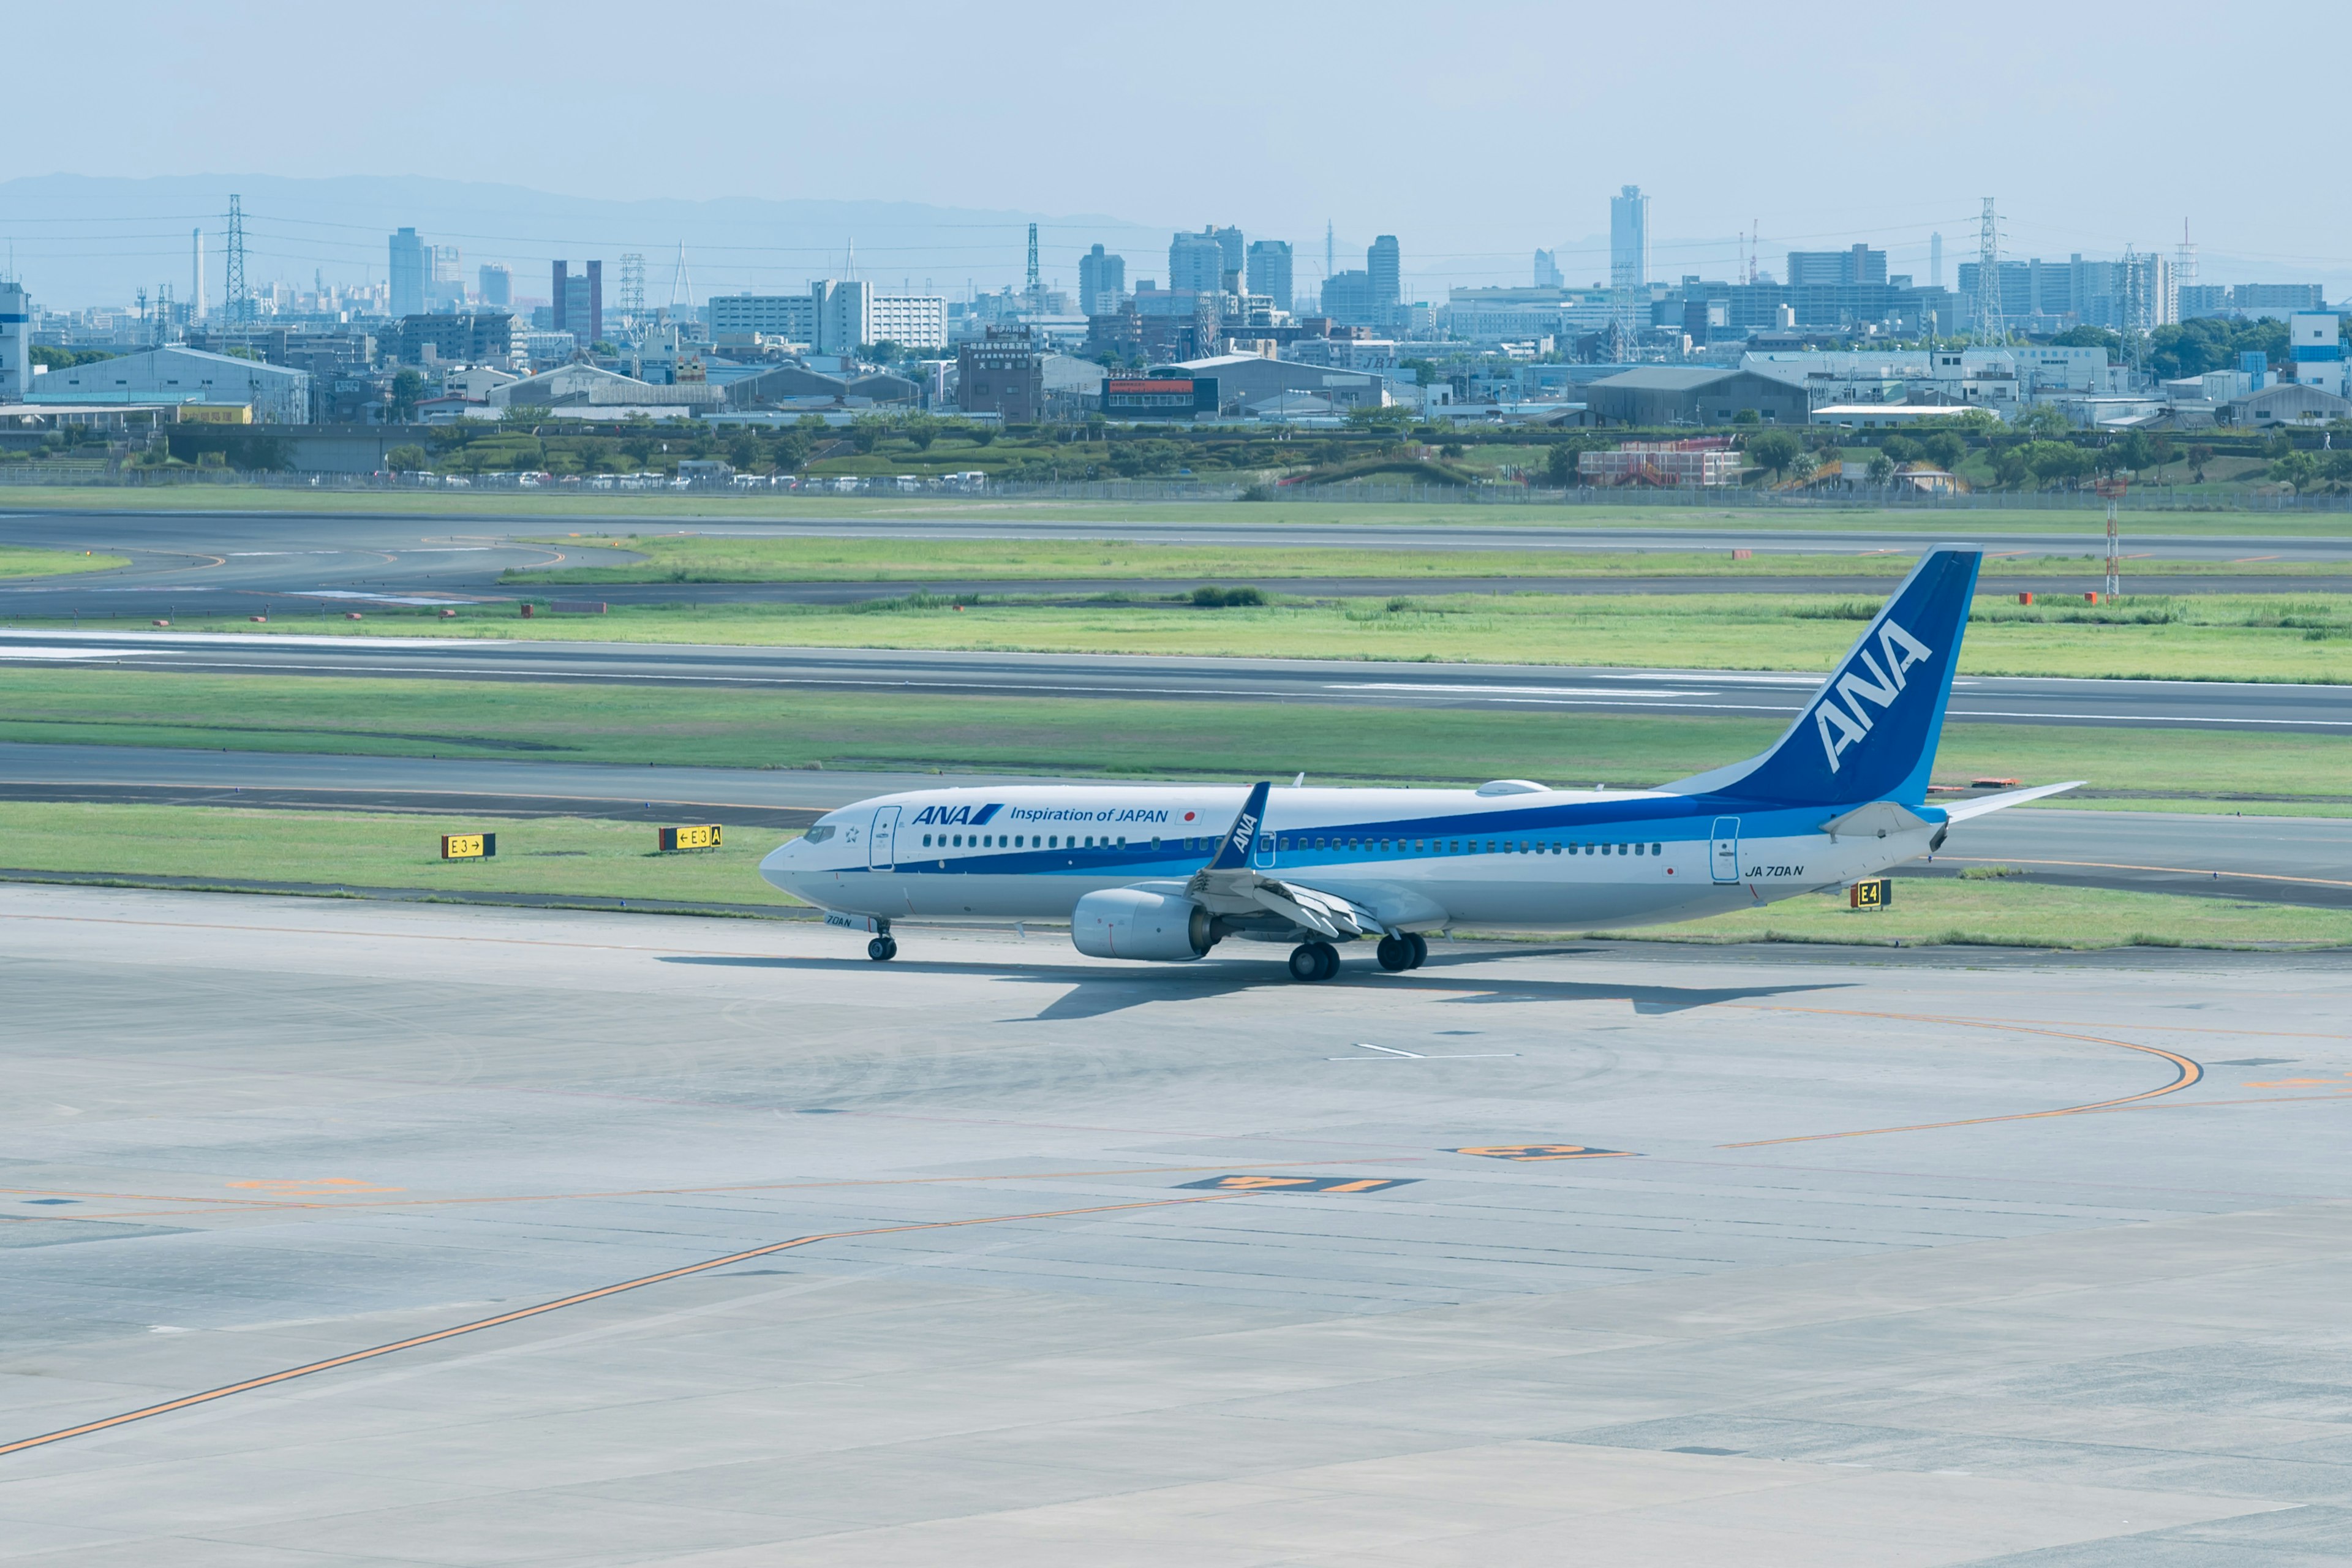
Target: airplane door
{"x": 880, "y": 853}
{"x": 1261, "y": 857}
{"x": 1726, "y": 858}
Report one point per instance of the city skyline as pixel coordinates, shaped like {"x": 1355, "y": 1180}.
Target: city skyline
{"x": 2086, "y": 172}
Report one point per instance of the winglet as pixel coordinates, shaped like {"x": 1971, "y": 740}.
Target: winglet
{"x": 1233, "y": 849}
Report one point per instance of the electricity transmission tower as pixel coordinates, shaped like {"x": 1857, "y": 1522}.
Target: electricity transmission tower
{"x": 240, "y": 303}
{"x": 1991, "y": 329}
{"x": 632, "y": 286}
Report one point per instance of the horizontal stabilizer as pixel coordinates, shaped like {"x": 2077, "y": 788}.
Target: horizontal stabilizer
{"x": 1982, "y": 803}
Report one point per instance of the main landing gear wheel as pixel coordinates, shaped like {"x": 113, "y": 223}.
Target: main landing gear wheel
{"x": 882, "y": 949}
{"x": 1314, "y": 961}
{"x": 1395, "y": 954}
{"x": 1420, "y": 948}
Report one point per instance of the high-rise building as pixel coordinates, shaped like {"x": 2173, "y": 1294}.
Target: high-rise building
{"x": 1269, "y": 270}
{"x": 408, "y": 274}
{"x": 579, "y": 302}
{"x": 497, "y": 284}
{"x": 1547, "y": 270}
{"x": 196, "y": 288}
{"x": 1229, "y": 239}
{"x": 1102, "y": 280}
{"x": 1197, "y": 262}
{"x": 1935, "y": 261}
{"x": 16, "y": 340}
{"x": 1628, "y": 238}
{"x": 1384, "y": 260}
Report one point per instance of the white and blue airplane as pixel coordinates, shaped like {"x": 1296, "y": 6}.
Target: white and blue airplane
{"x": 1167, "y": 871}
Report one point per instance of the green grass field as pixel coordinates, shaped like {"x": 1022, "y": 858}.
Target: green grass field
{"x": 573, "y": 857}
{"x": 701, "y": 558}
{"x": 1930, "y": 524}
{"x": 22, "y": 560}
{"x": 2215, "y": 637}
{"x": 718, "y": 728}
{"x": 2004, "y": 913}
{"x": 555, "y": 856}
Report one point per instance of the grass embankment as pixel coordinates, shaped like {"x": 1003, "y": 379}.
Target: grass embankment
{"x": 1928, "y": 522}
{"x": 2003, "y": 913}
{"x": 718, "y": 727}
{"x": 563, "y": 859}
{"x": 2206, "y": 636}
{"x": 24, "y": 561}
{"x": 735, "y": 558}
{"x": 558, "y": 858}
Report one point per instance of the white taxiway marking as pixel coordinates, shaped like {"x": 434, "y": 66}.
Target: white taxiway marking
{"x": 20, "y": 650}
{"x": 1393, "y": 1053}
{"x": 1501, "y": 692}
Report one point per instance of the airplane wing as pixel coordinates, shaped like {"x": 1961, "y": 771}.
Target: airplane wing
{"x": 1228, "y": 885}
{"x": 1963, "y": 810}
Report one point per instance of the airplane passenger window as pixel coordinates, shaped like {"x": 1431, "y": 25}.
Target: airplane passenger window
{"x": 1319, "y": 843}
{"x": 1490, "y": 846}
{"x": 1419, "y": 844}
{"x": 927, "y": 841}
{"x": 1457, "y": 847}
{"x": 1285, "y": 844}
{"x": 1657, "y": 848}
{"x": 1155, "y": 844}
{"x": 1639, "y": 848}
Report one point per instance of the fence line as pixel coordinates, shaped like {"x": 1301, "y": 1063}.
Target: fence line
{"x": 2153, "y": 498}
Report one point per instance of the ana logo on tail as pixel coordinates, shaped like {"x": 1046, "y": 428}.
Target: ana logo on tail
{"x": 1849, "y": 718}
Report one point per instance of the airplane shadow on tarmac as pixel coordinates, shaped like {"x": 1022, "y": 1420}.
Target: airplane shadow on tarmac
{"x": 1093, "y": 993}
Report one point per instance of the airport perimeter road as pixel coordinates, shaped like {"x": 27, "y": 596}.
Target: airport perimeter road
{"x": 2282, "y": 859}
{"x": 2255, "y": 708}
{"x": 213, "y": 564}
{"x": 362, "y": 1234}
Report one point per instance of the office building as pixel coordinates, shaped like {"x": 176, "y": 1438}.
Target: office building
{"x": 1809, "y": 268}
{"x": 1548, "y": 272}
{"x": 449, "y": 337}
{"x": 444, "y": 278}
{"x": 1102, "y": 282}
{"x": 497, "y": 284}
{"x": 1384, "y": 261}
{"x": 834, "y": 317}
{"x": 2314, "y": 347}
{"x": 1628, "y": 238}
{"x": 1269, "y": 271}
{"x": 408, "y": 273}
{"x": 2133, "y": 294}
{"x": 1196, "y": 262}
{"x": 1002, "y": 373}
{"x": 579, "y": 302}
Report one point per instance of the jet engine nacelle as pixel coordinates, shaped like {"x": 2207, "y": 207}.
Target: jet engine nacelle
{"x": 1128, "y": 922}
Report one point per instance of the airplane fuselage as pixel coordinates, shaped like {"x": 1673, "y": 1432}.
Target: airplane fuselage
{"x": 1434, "y": 856}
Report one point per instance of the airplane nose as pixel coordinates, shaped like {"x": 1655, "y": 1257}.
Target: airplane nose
{"x": 776, "y": 870}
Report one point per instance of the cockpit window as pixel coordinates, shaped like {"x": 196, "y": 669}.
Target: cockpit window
{"x": 820, "y": 833}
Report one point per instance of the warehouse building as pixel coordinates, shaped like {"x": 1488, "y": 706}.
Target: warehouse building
{"x": 1675, "y": 394}
{"x": 277, "y": 394}
{"x": 1244, "y": 382}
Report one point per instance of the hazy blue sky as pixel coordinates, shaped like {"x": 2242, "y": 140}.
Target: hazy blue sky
{"x": 1474, "y": 134}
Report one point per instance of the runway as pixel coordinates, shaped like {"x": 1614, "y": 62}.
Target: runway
{"x": 2280, "y": 860}
{"x": 354, "y": 1235}
{"x": 233, "y": 564}
{"x": 2243, "y": 708}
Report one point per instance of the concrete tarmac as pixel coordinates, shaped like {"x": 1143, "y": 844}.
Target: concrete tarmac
{"x": 352, "y": 1236}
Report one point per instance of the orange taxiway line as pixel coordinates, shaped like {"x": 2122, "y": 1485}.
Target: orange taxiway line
{"x": 2186, "y": 1073}
{"x": 348, "y": 1358}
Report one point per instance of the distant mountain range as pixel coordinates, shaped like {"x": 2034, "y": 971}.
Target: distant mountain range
{"x": 78, "y": 241}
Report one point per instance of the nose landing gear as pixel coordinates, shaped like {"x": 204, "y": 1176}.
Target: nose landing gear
{"x": 882, "y": 949}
